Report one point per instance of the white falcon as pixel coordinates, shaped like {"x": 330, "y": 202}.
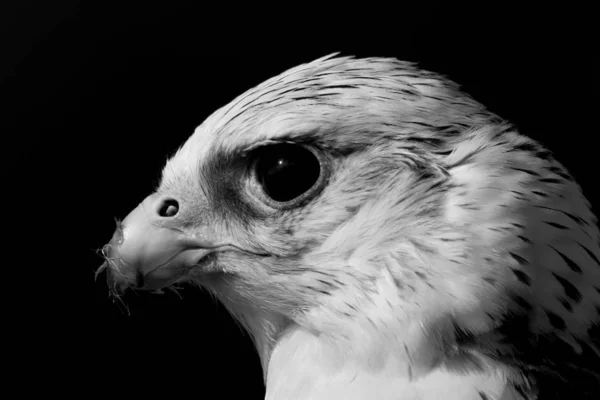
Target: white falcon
{"x": 380, "y": 235}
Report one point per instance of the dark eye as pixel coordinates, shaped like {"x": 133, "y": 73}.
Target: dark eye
{"x": 286, "y": 171}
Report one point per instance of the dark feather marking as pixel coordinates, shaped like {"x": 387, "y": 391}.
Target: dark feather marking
{"x": 590, "y": 254}
{"x": 501, "y": 132}
{"x": 339, "y": 87}
{"x": 371, "y": 321}
{"x": 352, "y": 209}
{"x": 555, "y": 225}
{"x": 313, "y": 97}
{"x": 565, "y": 303}
{"x": 421, "y": 124}
{"x": 523, "y": 238}
{"x": 541, "y": 194}
{"x": 491, "y": 281}
{"x": 465, "y": 160}
{"x": 469, "y": 206}
{"x": 527, "y": 171}
{"x": 570, "y": 263}
{"x": 560, "y": 173}
{"x": 544, "y": 154}
{"x": 398, "y": 283}
{"x": 295, "y": 89}
{"x": 452, "y": 239}
{"x": 421, "y": 275}
{"x": 318, "y": 290}
{"x": 571, "y": 216}
{"x": 527, "y": 146}
{"x": 570, "y": 290}
{"x": 444, "y": 153}
{"x": 326, "y": 283}
{"x": 555, "y": 320}
{"x": 483, "y": 396}
{"x": 435, "y": 185}
{"x": 522, "y": 276}
{"x": 435, "y": 142}
{"x": 367, "y": 78}
{"x": 519, "y": 259}
{"x": 316, "y": 271}
{"x": 550, "y": 180}
{"x": 436, "y": 98}
{"x": 522, "y": 302}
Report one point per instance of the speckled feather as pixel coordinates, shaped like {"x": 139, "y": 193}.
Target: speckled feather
{"x": 445, "y": 255}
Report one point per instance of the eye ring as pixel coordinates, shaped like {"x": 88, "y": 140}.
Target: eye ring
{"x": 285, "y": 175}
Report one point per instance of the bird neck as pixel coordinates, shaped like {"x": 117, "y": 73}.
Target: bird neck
{"x": 304, "y": 366}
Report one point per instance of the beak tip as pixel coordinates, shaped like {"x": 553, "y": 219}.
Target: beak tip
{"x": 116, "y": 277}
{"x": 144, "y": 254}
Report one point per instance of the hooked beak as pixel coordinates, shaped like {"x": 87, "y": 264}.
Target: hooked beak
{"x": 148, "y": 251}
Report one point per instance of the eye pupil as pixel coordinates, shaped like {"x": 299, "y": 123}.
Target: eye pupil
{"x": 286, "y": 171}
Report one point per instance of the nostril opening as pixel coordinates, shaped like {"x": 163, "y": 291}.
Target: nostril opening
{"x": 168, "y": 208}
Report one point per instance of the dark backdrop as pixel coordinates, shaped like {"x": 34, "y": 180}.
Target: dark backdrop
{"x": 108, "y": 92}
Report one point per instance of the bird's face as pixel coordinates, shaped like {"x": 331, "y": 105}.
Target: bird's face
{"x": 284, "y": 202}
{"x": 373, "y": 208}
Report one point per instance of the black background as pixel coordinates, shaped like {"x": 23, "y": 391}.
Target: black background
{"x": 104, "y": 94}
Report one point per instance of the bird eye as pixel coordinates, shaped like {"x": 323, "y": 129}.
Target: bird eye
{"x": 286, "y": 171}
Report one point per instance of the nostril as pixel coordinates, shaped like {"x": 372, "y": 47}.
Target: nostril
{"x": 168, "y": 208}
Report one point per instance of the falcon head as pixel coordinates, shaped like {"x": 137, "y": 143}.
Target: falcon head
{"x": 376, "y": 231}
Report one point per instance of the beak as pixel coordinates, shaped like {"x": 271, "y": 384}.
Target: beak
{"x": 148, "y": 251}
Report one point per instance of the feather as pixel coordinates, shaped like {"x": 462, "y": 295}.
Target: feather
{"x": 439, "y": 252}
